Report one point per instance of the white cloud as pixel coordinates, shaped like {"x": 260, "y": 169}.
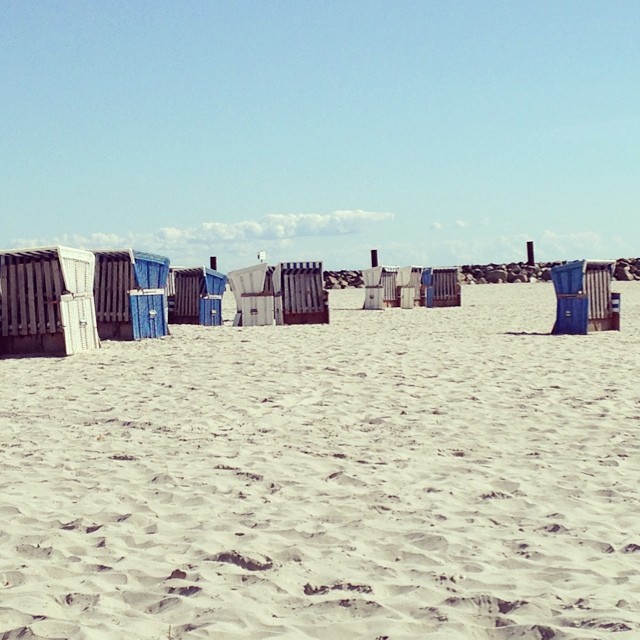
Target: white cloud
{"x": 460, "y": 223}
{"x": 292, "y": 225}
{"x": 437, "y": 226}
{"x": 236, "y": 240}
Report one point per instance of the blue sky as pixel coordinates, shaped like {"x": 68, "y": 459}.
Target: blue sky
{"x": 440, "y": 133}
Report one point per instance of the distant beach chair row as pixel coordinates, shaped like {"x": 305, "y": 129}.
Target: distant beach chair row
{"x": 288, "y": 293}
{"x": 585, "y": 301}
{"x": 64, "y": 300}
{"x": 413, "y": 286}
{"x": 195, "y": 296}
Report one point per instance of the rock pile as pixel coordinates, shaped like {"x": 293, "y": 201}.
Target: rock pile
{"x": 511, "y": 272}
{"x": 626, "y": 269}
{"x": 342, "y": 279}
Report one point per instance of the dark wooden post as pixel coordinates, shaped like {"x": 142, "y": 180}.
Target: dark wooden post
{"x": 530, "y": 259}
{"x": 213, "y": 263}
{"x": 374, "y": 257}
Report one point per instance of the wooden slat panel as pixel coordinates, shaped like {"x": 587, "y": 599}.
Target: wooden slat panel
{"x": 58, "y": 289}
{"x": 123, "y": 282}
{"x": 32, "y": 320}
{"x": 48, "y": 296}
{"x": 188, "y": 293}
{"x": 188, "y": 296}
{"x": 181, "y": 295}
{"x": 98, "y": 289}
{"x": 181, "y": 286}
{"x": 313, "y": 302}
{"x": 130, "y": 278}
{"x": 101, "y": 308}
{"x": 22, "y": 298}
{"x": 117, "y": 286}
{"x": 303, "y": 292}
{"x": 602, "y": 305}
{"x": 296, "y": 292}
{"x": 294, "y": 284}
{"x": 309, "y": 297}
{"x": 177, "y": 288}
{"x": 194, "y": 300}
{"x": 288, "y": 296}
{"x": 285, "y": 291}
{"x": 393, "y": 286}
{"x": 107, "y": 265}
{"x": 592, "y": 286}
{"x": 114, "y": 288}
{"x": 14, "y": 328}
{"x": 106, "y": 283}
{"x": 598, "y": 283}
{"x": 104, "y": 267}
{"x": 39, "y": 297}
{"x": 316, "y": 292}
{"x": 104, "y": 292}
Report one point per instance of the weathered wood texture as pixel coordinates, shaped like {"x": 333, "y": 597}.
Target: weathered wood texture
{"x": 442, "y": 287}
{"x": 299, "y": 293}
{"x": 114, "y": 279}
{"x": 381, "y": 287}
{"x": 35, "y": 285}
{"x": 197, "y": 296}
{"x": 252, "y": 288}
{"x": 30, "y": 295}
{"x": 119, "y": 275}
{"x": 584, "y": 298}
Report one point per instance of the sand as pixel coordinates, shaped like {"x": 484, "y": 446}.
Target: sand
{"x": 443, "y": 473}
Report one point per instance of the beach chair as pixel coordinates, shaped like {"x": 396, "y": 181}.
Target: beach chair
{"x": 198, "y": 295}
{"x": 130, "y": 292}
{"x": 412, "y": 291}
{"x": 300, "y": 297}
{"x": 442, "y": 287}
{"x": 252, "y": 288}
{"x": 380, "y": 287}
{"x": 46, "y": 301}
{"x": 584, "y": 298}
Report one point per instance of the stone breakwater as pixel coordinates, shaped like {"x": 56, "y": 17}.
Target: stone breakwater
{"x": 626, "y": 269}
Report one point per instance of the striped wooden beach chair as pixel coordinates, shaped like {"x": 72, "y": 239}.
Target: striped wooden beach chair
{"x": 170, "y": 292}
{"x": 412, "y": 291}
{"x": 46, "y": 301}
{"x": 197, "y": 296}
{"x": 442, "y": 287}
{"x": 380, "y": 287}
{"x": 300, "y": 297}
{"x": 584, "y": 298}
{"x": 252, "y": 288}
{"x": 130, "y": 292}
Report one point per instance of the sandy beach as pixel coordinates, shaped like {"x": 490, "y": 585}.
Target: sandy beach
{"x": 395, "y": 475}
